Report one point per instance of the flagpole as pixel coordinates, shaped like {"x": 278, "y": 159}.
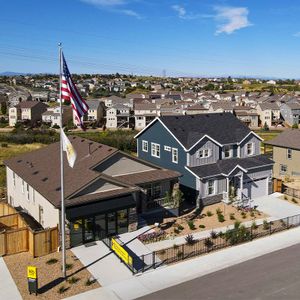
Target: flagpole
{"x": 63, "y": 238}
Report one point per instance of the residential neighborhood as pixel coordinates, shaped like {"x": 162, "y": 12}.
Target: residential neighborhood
{"x": 149, "y": 150}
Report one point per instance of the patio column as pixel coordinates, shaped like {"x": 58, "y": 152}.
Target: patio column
{"x": 241, "y": 185}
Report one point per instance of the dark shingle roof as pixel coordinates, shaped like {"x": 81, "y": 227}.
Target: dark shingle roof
{"x": 225, "y": 128}
{"x": 41, "y": 169}
{"x": 290, "y": 138}
{"x": 225, "y": 166}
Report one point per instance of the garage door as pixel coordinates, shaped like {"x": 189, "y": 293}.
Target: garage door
{"x": 255, "y": 188}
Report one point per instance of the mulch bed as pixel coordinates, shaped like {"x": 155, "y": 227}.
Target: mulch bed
{"x": 49, "y": 275}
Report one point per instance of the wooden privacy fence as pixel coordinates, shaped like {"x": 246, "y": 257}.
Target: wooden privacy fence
{"x": 37, "y": 243}
{"x": 291, "y": 192}
{"x": 16, "y": 236}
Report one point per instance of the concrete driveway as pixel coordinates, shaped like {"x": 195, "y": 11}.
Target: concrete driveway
{"x": 275, "y": 207}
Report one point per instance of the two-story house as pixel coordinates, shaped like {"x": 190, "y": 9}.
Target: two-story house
{"x": 26, "y": 111}
{"x": 218, "y": 156}
{"x": 286, "y": 154}
{"x": 119, "y": 116}
{"x": 269, "y": 113}
{"x": 144, "y": 113}
{"x": 52, "y": 115}
{"x": 290, "y": 112}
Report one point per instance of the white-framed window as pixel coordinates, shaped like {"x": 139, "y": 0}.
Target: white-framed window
{"x": 155, "y": 150}
{"x": 203, "y": 153}
{"x": 145, "y": 146}
{"x": 167, "y": 148}
{"x": 210, "y": 187}
{"x": 175, "y": 155}
{"x": 227, "y": 151}
{"x": 289, "y": 153}
{"x": 27, "y": 192}
{"x": 23, "y": 190}
{"x": 250, "y": 149}
{"x": 283, "y": 168}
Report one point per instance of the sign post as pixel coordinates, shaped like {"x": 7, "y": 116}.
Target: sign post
{"x": 32, "y": 280}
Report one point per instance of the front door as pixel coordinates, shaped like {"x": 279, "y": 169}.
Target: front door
{"x": 88, "y": 230}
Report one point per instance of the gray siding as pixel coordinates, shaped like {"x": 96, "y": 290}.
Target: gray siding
{"x": 250, "y": 139}
{"x": 259, "y": 173}
{"x": 205, "y": 144}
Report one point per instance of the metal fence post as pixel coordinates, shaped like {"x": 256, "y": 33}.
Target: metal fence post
{"x": 143, "y": 259}
{"x": 153, "y": 259}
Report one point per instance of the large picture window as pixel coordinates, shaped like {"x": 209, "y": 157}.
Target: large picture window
{"x": 155, "y": 150}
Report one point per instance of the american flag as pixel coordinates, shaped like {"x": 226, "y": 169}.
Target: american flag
{"x": 69, "y": 92}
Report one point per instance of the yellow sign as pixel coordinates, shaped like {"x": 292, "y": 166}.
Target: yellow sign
{"x": 31, "y": 272}
{"x": 121, "y": 252}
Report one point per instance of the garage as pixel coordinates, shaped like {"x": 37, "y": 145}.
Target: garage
{"x": 255, "y": 188}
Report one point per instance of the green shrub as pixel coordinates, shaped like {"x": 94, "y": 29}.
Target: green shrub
{"x": 208, "y": 243}
{"x": 90, "y": 281}
{"x": 294, "y": 200}
{"x": 191, "y": 225}
{"x": 51, "y": 261}
{"x": 218, "y": 211}
{"x": 180, "y": 227}
{"x": 201, "y": 226}
{"x": 254, "y": 225}
{"x": 238, "y": 234}
{"x": 73, "y": 280}
{"x": 69, "y": 266}
{"x": 62, "y": 289}
{"x": 252, "y": 214}
{"x": 266, "y": 225}
{"x": 213, "y": 235}
{"x": 221, "y": 218}
{"x": 209, "y": 213}
{"x": 176, "y": 230}
{"x": 285, "y": 197}
{"x": 231, "y": 216}
{"x": 243, "y": 214}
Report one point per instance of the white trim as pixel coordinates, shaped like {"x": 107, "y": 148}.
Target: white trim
{"x": 167, "y": 148}
{"x": 175, "y": 161}
{"x": 145, "y": 143}
{"x": 252, "y": 149}
{"x": 152, "y": 145}
{"x": 237, "y": 166}
{"x": 192, "y": 172}
{"x": 214, "y": 187}
{"x": 205, "y": 136}
{"x": 251, "y": 132}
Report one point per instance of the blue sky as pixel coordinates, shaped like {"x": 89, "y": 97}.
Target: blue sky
{"x": 183, "y": 37}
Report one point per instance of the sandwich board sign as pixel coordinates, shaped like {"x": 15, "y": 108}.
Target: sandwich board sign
{"x": 32, "y": 279}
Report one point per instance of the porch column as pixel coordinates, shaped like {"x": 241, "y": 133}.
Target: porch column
{"x": 241, "y": 185}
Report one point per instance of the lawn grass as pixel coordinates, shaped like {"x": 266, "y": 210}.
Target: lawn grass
{"x": 10, "y": 151}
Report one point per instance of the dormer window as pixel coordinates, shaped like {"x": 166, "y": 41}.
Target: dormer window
{"x": 227, "y": 151}
{"x": 203, "y": 153}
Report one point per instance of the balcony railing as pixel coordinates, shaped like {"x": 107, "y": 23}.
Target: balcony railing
{"x": 156, "y": 203}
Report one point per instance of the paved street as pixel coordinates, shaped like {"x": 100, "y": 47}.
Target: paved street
{"x": 272, "y": 276}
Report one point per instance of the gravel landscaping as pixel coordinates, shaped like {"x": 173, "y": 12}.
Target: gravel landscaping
{"x": 50, "y": 284}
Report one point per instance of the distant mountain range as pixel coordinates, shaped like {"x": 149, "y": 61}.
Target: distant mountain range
{"x": 9, "y": 73}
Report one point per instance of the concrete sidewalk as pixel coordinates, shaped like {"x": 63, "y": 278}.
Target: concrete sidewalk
{"x": 154, "y": 280}
{"x": 8, "y": 288}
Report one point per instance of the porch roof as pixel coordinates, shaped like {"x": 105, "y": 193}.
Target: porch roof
{"x": 226, "y": 166}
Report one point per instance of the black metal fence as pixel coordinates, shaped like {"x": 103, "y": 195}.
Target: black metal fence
{"x": 239, "y": 234}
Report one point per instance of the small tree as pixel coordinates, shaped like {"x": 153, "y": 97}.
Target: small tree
{"x": 177, "y": 197}
{"x": 266, "y": 127}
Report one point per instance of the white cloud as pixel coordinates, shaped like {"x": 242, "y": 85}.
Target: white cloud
{"x": 180, "y": 10}
{"x": 231, "y": 19}
{"x": 116, "y": 6}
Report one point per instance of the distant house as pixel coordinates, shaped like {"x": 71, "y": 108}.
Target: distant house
{"x": 52, "y": 115}
{"x": 222, "y": 106}
{"x": 247, "y": 115}
{"x": 95, "y": 113}
{"x": 218, "y": 156}
{"x": 119, "y": 116}
{"x": 286, "y": 154}
{"x": 144, "y": 113}
{"x": 26, "y": 111}
{"x": 290, "y": 113}
{"x": 104, "y": 192}
{"x": 269, "y": 113}
{"x": 195, "y": 109}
